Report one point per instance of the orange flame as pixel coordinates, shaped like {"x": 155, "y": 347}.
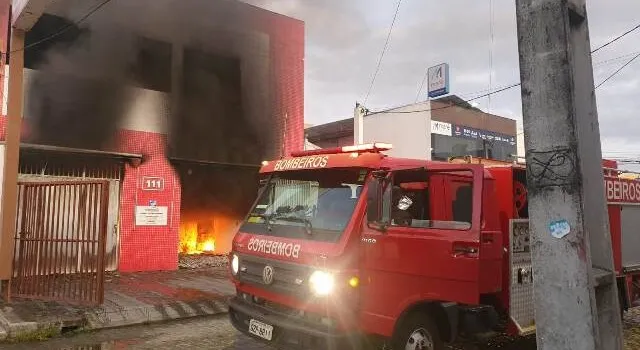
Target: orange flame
{"x": 206, "y": 233}
{"x": 189, "y": 243}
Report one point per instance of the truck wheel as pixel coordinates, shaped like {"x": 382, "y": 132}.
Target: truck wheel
{"x": 418, "y": 332}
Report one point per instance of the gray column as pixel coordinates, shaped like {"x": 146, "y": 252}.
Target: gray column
{"x": 575, "y": 290}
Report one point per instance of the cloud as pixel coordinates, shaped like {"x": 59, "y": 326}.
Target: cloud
{"x": 344, "y": 40}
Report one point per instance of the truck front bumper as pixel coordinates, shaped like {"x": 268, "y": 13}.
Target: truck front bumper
{"x": 288, "y": 331}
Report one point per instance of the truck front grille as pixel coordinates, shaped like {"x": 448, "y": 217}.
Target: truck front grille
{"x": 287, "y": 278}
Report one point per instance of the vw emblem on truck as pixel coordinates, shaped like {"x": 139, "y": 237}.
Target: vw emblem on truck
{"x": 267, "y": 275}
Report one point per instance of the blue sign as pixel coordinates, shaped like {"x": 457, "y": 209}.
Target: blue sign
{"x": 478, "y": 134}
{"x": 438, "y": 80}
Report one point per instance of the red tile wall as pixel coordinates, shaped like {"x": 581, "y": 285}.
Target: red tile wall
{"x": 148, "y": 248}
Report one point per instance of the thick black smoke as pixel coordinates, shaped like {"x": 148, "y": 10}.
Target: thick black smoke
{"x": 79, "y": 97}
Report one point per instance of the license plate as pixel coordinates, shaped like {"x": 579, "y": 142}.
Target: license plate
{"x": 260, "y": 329}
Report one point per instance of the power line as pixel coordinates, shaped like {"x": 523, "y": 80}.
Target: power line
{"x": 610, "y": 60}
{"x": 449, "y": 106}
{"x": 616, "y": 38}
{"x": 384, "y": 50}
{"x": 618, "y": 70}
{"x": 65, "y": 29}
{"x": 491, "y": 35}
{"x": 518, "y": 84}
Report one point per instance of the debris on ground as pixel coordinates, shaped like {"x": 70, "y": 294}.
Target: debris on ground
{"x": 199, "y": 261}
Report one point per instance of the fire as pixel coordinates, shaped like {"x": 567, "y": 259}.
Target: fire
{"x": 192, "y": 242}
{"x": 206, "y": 233}
{"x": 209, "y": 245}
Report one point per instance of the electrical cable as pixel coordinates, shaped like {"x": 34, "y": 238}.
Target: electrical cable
{"x": 616, "y": 38}
{"x": 384, "y": 50}
{"x": 490, "y": 54}
{"x": 518, "y": 84}
{"x": 618, "y": 70}
{"x": 65, "y": 29}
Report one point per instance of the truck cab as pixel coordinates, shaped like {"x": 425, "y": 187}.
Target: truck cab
{"x": 346, "y": 244}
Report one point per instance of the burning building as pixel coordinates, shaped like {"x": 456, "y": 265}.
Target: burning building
{"x": 175, "y": 102}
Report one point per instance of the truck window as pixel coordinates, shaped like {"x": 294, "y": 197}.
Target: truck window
{"x": 425, "y": 199}
{"x": 312, "y": 205}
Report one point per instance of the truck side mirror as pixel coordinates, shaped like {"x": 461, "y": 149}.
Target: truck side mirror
{"x": 375, "y": 200}
{"x": 374, "y": 212}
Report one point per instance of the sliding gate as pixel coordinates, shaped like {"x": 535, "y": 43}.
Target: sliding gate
{"x": 61, "y": 230}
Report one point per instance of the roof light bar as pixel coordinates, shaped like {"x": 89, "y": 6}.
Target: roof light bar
{"x": 369, "y": 147}
{"x": 378, "y": 146}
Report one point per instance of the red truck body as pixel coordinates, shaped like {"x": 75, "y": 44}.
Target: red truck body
{"x": 349, "y": 242}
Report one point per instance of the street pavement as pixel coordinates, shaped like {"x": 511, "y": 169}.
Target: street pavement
{"x": 216, "y": 333}
{"x": 211, "y": 333}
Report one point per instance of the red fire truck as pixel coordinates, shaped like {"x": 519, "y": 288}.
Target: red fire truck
{"x": 348, "y": 242}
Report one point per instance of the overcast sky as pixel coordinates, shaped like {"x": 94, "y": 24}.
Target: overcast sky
{"x": 345, "y": 38}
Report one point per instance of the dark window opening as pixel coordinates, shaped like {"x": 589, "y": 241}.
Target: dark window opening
{"x": 41, "y": 32}
{"x": 152, "y": 68}
{"x": 211, "y": 125}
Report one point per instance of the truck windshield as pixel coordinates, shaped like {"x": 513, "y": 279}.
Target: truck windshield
{"x": 312, "y": 205}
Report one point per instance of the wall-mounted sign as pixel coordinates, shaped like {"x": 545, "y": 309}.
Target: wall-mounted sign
{"x": 477, "y": 134}
{"x": 152, "y": 183}
{"x": 151, "y": 216}
{"x": 440, "y": 128}
{"x": 438, "y": 80}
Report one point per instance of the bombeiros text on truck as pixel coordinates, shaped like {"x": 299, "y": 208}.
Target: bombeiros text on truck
{"x": 348, "y": 245}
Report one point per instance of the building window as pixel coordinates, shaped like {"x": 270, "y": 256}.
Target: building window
{"x": 444, "y": 147}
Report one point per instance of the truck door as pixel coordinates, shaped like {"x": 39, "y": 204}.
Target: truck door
{"x": 424, "y": 242}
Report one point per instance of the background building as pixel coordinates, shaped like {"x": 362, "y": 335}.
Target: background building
{"x": 436, "y": 129}
{"x": 175, "y": 104}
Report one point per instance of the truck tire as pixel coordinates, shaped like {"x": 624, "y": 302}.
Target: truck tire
{"x": 417, "y": 332}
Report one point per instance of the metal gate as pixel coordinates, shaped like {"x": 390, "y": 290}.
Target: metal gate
{"x": 60, "y": 240}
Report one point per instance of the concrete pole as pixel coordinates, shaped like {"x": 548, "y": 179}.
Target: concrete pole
{"x": 358, "y": 127}
{"x": 574, "y": 285}
{"x": 11, "y": 156}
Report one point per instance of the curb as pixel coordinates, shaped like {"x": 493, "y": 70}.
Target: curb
{"x": 104, "y": 319}
{"x": 25, "y": 331}
{"x": 98, "y": 319}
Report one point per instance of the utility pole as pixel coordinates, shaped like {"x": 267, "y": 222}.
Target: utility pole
{"x": 574, "y": 282}
{"x": 358, "y": 124}
{"x": 11, "y": 155}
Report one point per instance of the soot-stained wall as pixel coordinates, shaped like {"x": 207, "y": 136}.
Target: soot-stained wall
{"x": 204, "y": 80}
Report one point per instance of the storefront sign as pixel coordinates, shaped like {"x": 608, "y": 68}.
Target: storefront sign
{"x": 477, "y": 134}
{"x": 151, "y": 216}
{"x": 152, "y": 183}
{"x": 438, "y": 80}
{"x": 440, "y": 128}
{"x": 621, "y": 191}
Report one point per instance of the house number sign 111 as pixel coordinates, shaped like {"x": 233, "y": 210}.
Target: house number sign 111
{"x": 152, "y": 183}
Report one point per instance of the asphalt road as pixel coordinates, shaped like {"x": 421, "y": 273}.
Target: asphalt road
{"x": 203, "y": 333}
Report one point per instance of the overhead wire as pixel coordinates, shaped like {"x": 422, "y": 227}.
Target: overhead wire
{"x": 64, "y": 29}
{"x": 491, "y": 35}
{"x": 384, "y": 51}
{"x": 618, "y": 70}
{"x": 508, "y": 87}
{"x": 616, "y": 38}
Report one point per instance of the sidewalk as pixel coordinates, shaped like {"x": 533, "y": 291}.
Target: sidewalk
{"x": 133, "y": 298}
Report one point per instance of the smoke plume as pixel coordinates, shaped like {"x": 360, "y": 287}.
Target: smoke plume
{"x": 81, "y": 91}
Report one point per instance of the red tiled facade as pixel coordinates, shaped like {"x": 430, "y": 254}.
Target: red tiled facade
{"x": 149, "y": 248}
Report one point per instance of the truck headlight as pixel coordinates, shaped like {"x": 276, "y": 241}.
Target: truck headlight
{"x": 321, "y": 283}
{"x": 235, "y": 264}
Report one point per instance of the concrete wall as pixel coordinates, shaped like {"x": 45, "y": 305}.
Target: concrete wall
{"x": 410, "y": 133}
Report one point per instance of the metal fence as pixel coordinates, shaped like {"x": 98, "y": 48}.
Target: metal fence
{"x": 60, "y": 240}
